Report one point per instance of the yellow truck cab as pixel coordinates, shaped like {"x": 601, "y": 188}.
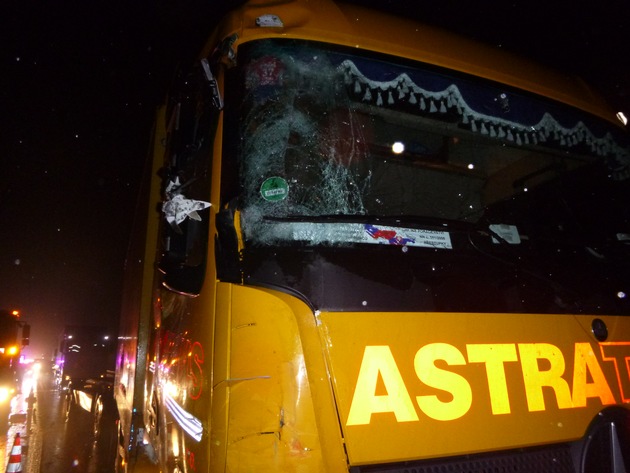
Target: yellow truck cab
{"x": 366, "y": 245}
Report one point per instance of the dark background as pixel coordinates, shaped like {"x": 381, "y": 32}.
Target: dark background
{"x": 80, "y": 81}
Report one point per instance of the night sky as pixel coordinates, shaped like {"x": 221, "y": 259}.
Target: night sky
{"x": 80, "y": 81}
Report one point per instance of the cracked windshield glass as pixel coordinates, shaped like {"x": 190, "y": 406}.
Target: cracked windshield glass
{"x": 340, "y": 149}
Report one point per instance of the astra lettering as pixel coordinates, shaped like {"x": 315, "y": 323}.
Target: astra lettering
{"x": 542, "y": 366}
{"x": 619, "y": 354}
{"x": 378, "y": 360}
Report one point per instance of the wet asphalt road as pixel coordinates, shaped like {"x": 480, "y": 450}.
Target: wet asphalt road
{"x": 67, "y": 441}
{"x": 55, "y": 442}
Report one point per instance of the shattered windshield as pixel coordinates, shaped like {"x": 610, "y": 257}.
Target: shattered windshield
{"x": 341, "y": 149}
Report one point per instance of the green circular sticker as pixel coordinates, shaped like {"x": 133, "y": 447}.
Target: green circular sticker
{"x": 274, "y": 189}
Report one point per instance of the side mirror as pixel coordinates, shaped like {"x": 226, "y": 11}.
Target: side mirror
{"x": 184, "y": 257}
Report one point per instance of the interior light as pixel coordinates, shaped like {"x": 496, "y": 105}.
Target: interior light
{"x": 398, "y": 147}
{"x": 622, "y": 118}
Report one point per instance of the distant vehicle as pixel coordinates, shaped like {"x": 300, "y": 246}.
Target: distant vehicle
{"x": 382, "y": 248}
{"x": 14, "y": 334}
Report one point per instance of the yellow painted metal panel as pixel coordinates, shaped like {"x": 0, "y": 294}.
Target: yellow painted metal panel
{"x": 220, "y": 374}
{"x": 421, "y": 385}
{"x": 271, "y": 419}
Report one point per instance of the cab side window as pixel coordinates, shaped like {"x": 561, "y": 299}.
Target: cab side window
{"x": 191, "y": 126}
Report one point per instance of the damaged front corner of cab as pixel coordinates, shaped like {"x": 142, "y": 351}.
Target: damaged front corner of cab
{"x": 283, "y": 446}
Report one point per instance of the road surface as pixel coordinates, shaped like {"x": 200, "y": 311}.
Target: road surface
{"x": 51, "y": 440}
